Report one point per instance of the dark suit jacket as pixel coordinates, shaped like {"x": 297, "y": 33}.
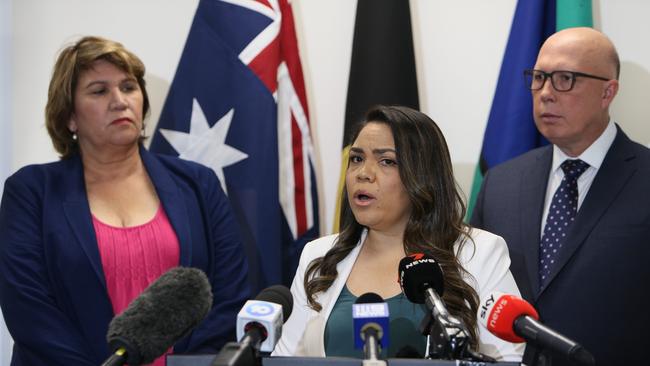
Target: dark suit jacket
{"x": 52, "y": 287}
{"x": 597, "y": 291}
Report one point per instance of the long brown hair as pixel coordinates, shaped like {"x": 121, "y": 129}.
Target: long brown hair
{"x": 436, "y": 221}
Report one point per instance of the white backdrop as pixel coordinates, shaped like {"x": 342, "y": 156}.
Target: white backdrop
{"x": 459, "y": 45}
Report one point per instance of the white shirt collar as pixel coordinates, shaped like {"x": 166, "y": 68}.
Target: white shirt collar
{"x": 595, "y": 153}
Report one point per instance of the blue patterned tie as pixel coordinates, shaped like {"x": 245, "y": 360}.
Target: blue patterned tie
{"x": 561, "y": 214}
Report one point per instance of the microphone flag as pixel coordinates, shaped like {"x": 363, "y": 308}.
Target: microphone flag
{"x": 370, "y": 314}
{"x": 266, "y": 314}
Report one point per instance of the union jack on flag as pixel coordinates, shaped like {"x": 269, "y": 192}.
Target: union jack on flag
{"x": 238, "y": 105}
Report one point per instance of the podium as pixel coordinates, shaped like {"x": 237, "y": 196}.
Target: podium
{"x": 206, "y": 360}
{"x": 344, "y": 361}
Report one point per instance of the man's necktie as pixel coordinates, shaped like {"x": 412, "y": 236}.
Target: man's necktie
{"x": 561, "y": 214}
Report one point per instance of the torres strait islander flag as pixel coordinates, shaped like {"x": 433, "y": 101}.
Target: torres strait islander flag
{"x": 238, "y": 105}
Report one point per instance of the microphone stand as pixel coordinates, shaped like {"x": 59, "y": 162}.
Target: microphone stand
{"x": 447, "y": 335}
{"x": 534, "y": 356}
{"x": 371, "y": 349}
{"x": 243, "y": 353}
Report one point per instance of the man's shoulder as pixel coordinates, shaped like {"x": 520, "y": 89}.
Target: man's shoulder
{"x": 627, "y": 150}
{"x": 641, "y": 151}
{"x": 523, "y": 161}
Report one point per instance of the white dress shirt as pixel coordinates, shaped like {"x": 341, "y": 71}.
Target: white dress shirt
{"x": 594, "y": 156}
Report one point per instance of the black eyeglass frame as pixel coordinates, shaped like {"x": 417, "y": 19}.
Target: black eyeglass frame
{"x": 549, "y": 75}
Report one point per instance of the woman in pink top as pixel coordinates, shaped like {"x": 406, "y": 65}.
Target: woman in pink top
{"x": 82, "y": 237}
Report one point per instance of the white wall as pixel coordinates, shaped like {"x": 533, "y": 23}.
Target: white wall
{"x": 626, "y": 23}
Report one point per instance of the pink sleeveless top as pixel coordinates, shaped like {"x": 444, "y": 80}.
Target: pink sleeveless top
{"x": 133, "y": 257}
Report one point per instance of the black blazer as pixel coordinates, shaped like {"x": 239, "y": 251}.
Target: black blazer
{"x": 52, "y": 287}
{"x": 597, "y": 290}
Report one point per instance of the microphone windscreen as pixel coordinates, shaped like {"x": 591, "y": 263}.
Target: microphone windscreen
{"x": 280, "y": 295}
{"x": 369, "y": 298}
{"x": 168, "y": 309}
{"x": 498, "y": 312}
{"x": 417, "y": 272}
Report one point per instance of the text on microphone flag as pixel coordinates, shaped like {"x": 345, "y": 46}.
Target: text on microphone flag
{"x": 370, "y": 310}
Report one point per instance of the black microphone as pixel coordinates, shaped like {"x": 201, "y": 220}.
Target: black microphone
{"x": 259, "y": 327}
{"x": 167, "y": 310}
{"x": 513, "y": 319}
{"x": 371, "y": 319}
{"x": 408, "y": 352}
{"x": 422, "y": 282}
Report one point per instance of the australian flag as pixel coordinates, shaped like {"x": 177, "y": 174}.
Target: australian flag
{"x": 238, "y": 105}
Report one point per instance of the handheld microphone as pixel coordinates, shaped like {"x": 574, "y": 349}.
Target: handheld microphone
{"x": 167, "y": 310}
{"x": 513, "y": 319}
{"x": 259, "y": 327}
{"x": 371, "y": 318}
{"x": 422, "y": 282}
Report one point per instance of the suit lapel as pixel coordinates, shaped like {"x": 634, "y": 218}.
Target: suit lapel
{"x": 172, "y": 201}
{"x": 77, "y": 212}
{"x": 617, "y": 168}
{"x": 533, "y": 191}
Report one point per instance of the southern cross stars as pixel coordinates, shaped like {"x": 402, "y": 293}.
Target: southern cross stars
{"x": 205, "y": 144}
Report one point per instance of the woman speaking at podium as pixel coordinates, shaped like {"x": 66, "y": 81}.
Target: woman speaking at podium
{"x": 82, "y": 237}
{"x": 400, "y": 198}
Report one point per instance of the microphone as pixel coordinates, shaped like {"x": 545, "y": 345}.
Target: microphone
{"x": 408, "y": 352}
{"x": 371, "y": 318}
{"x": 167, "y": 310}
{"x": 259, "y": 327}
{"x": 422, "y": 282}
{"x": 513, "y": 319}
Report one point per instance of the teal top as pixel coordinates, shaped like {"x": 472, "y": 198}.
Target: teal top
{"x": 405, "y": 318}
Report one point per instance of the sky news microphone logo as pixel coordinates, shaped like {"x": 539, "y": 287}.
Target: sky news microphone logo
{"x": 492, "y": 308}
{"x": 486, "y": 305}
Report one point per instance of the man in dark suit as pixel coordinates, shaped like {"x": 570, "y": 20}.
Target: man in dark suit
{"x": 579, "y": 241}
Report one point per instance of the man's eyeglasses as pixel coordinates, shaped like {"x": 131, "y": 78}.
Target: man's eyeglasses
{"x": 561, "y": 80}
